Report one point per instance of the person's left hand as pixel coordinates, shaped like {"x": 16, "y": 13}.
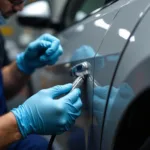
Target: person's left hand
{"x": 43, "y": 51}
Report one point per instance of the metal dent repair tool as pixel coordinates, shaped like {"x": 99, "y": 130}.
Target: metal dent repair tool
{"x": 80, "y": 71}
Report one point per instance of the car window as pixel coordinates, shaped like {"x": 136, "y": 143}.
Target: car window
{"x": 89, "y": 6}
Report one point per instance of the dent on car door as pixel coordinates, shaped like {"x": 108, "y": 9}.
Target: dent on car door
{"x": 124, "y": 87}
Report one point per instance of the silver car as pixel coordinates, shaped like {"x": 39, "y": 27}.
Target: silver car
{"x": 113, "y": 38}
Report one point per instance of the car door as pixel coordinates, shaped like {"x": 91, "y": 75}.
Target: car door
{"x": 106, "y": 60}
{"x": 81, "y": 42}
{"x": 119, "y": 50}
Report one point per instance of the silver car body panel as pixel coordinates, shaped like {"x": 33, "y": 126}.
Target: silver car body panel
{"x": 104, "y": 33}
{"x": 80, "y": 44}
{"x": 85, "y": 33}
{"x": 132, "y": 75}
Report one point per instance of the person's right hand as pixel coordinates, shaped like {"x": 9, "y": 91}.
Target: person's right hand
{"x": 43, "y": 114}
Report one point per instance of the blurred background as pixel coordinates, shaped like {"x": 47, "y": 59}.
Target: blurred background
{"x": 17, "y": 33}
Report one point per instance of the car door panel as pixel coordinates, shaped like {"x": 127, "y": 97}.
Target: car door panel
{"x": 103, "y": 71}
{"x": 85, "y": 33}
{"x": 131, "y": 79}
{"x": 80, "y": 43}
{"x": 121, "y": 28}
{"x": 110, "y": 49}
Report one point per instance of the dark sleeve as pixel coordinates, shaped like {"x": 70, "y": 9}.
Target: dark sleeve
{"x": 1, "y": 50}
{"x": 4, "y": 60}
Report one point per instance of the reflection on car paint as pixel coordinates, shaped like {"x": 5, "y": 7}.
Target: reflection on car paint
{"x": 114, "y": 57}
{"x": 83, "y": 52}
{"x": 80, "y": 28}
{"x": 123, "y": 92}
{"x": 102, "y": 24}
{"x": 125, "y": 34}
{"x": 97, "y": 15}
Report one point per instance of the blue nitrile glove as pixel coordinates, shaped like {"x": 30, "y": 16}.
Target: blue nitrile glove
{"x": 43, "y": 114}
{"x": 43, "y": 51}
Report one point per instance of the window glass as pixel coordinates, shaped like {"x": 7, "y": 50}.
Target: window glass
{"x": 88, "y": 7}
{"x": 91, "y": 5}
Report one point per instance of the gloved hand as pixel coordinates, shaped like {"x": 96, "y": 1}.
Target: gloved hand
{"x": 43, "y": 51}
{"x": 42, "y": 114}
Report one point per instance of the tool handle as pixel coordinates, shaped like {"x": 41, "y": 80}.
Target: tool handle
{"x": 77, "y": 83}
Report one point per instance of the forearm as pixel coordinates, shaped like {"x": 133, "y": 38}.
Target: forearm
{"x": 13, "y": 80}
{"x": 9, "y": 131}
